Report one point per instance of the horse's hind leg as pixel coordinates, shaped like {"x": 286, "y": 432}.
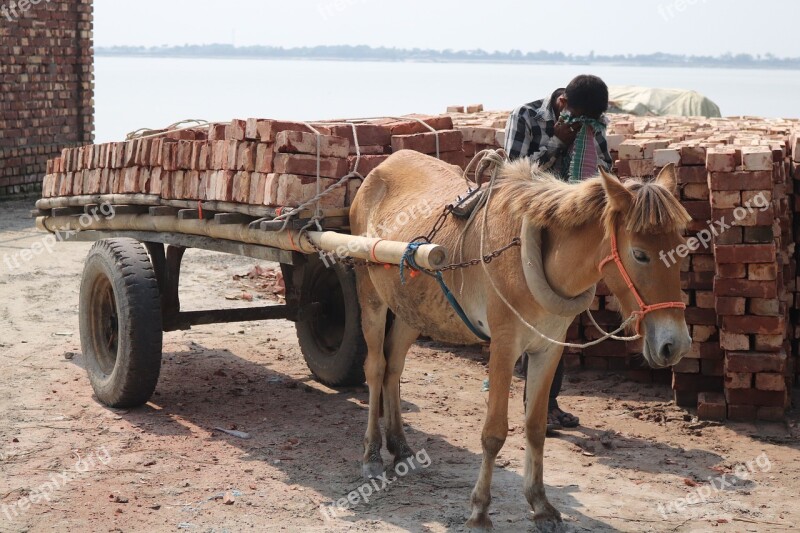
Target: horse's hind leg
{"x": 373, "y": 324}
{"x": 401, "y": 337}
{"x": 495, "y": 430}
{"x": 541, "y": 369}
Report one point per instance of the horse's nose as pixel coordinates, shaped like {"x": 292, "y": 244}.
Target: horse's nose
{"x": 666, "y": 351}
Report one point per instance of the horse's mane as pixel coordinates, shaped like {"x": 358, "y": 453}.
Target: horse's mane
{"x": 526, "y": 190}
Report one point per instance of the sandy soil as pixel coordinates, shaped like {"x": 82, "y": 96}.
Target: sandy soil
{"x": 69, "y": 464}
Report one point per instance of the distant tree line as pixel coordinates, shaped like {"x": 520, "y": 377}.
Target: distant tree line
{"x": 368, "y": 53}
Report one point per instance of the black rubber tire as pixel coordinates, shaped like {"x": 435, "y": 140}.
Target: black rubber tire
{"x": 120, "y": 322}
{"x": 331, "y": 340}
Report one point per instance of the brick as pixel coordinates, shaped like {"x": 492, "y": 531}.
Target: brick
{"x": 732, "y": 270}
{"x": 191, "y": 185}
{"x": 449, "y": 141}
{"x": 236, "y": 130}
{"x": 256, "y": 194}
{"x": 753, "y": 362}
{"x": 759, "y": 158}
{"x": 703, "y": 263}
{"x": 687, "y": 366}
{"x": 762, "y": 271}
{"x": 770, "y": 382}
{"x": 771, "y": 414}
{"x": 695, "y": 383}
{"x": 269, "y": 129}
{"x": 698, "y": 210}
{"x": 703, "y": 333}
{"x": 265, "y": 157}
{"x": 216, "y": 132}
{"x": 409, "y": 127}
{"x": 478, "y": 135}
{"x": 693, "y": 155}
{"x": 631, "y": 149}
{"x": 726, "y": 199}
{"x": 742, "y": 413}
{"x": 693, "y": 175}
{"x": 740, "y": 181}
{"x": 641, "y": 168}
{"x": 710, "y": 367}
{"x": 732, "y": 235}
{"x": 758, "y": 235}
{"x": 666, "y": 156}
{"x": 246, "y": 156}
{"x": 298, "y": 142}
{"x": 748, "y": 253}
{"x": 734, "y": 341}
{"x": 762, "y": 325}
{"x": 223, "y": 186}
{"x": 241, "y": 187}
{"x": 760, "y": 398}
{"x": 293, "y": 190}
{"x": 368, "y": 134}
{"x": 711, "y": 406}
{"x": 366, "y": 164}
{"x": 741, "y": 216}
{"x": 739, "y": 380}
{"x": 768, "y": 343}
{"x": 697, "y": 316}
{"x": 706, "y": 300}
{"x": 307, "y": 165}
{"x": 721, "y": 160}
{"x": 763, "y": 307}
{"x": 695, "y": 191}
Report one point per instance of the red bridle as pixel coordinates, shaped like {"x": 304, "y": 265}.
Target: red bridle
{"x": 643, "y": 308}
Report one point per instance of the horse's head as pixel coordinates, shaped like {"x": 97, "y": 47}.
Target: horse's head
{"x": 646, "y": 221}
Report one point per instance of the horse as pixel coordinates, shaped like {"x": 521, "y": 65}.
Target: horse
{"x": 571, "y": 235}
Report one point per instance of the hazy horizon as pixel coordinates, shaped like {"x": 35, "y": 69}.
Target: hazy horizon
{"x": 687, "y": 27}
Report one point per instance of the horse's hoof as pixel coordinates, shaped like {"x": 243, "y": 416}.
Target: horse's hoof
{"x": 372, "y": 470}
{"x": 482, "y": 522}
{"x": 548, "y": 520}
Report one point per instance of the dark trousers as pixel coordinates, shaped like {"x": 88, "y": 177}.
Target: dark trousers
{"x": 555, "y": 387}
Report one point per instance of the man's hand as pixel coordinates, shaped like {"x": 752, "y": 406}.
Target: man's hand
{"x": 567, "y": 133}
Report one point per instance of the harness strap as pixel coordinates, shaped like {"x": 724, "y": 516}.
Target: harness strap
{"x": 644, "y": 309}
{"x": 408, "y": 257}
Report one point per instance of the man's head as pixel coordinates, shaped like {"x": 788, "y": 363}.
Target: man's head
{"x": 585, "y": 96}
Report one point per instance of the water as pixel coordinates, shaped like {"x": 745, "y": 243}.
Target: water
{"x": 132, "y": 93}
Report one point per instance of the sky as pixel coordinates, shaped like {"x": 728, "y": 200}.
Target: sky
{"x": 700, "y": 27}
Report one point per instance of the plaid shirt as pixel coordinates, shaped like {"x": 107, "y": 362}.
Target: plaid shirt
{"x": 531, "y": 133}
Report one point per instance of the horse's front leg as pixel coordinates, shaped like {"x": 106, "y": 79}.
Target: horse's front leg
{"x": 495, "y": 429}
{"x": 541, "y": 369}
{"x": 373, "y": 323}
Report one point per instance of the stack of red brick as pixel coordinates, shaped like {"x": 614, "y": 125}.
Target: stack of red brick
{"x": 254, "y": 161}
{"x": 46, "y": 86}
{"x": 740, "y": 287}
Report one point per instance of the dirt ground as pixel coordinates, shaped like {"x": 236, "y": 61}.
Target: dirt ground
{"x": 69, "y": 464}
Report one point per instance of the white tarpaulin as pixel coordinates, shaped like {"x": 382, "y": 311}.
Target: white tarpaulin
{"x": 644, "y": 101}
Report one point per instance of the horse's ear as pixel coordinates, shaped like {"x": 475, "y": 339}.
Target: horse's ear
{"x": 619, "y": 197}
{"x": 668, "y": 178}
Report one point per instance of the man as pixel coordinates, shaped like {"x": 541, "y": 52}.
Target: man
{"x": 565, "y": 134}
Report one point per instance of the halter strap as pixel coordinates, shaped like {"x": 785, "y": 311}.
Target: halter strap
{"x": 644, "y": 309}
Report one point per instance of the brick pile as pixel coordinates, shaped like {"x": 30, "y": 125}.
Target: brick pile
{"x": 742, "y": 291}
{"x": 254, "y": 161}
{"x": 47, "y": 89}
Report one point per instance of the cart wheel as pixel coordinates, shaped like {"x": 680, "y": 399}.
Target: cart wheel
{"x": 120, "y": 322}
{"x": 331, "y": 338}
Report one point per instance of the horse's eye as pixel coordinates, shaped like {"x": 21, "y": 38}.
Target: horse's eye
{"x": 641, "y": 257}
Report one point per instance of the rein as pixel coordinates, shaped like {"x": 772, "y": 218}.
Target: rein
{"x": 644, "y": 309}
